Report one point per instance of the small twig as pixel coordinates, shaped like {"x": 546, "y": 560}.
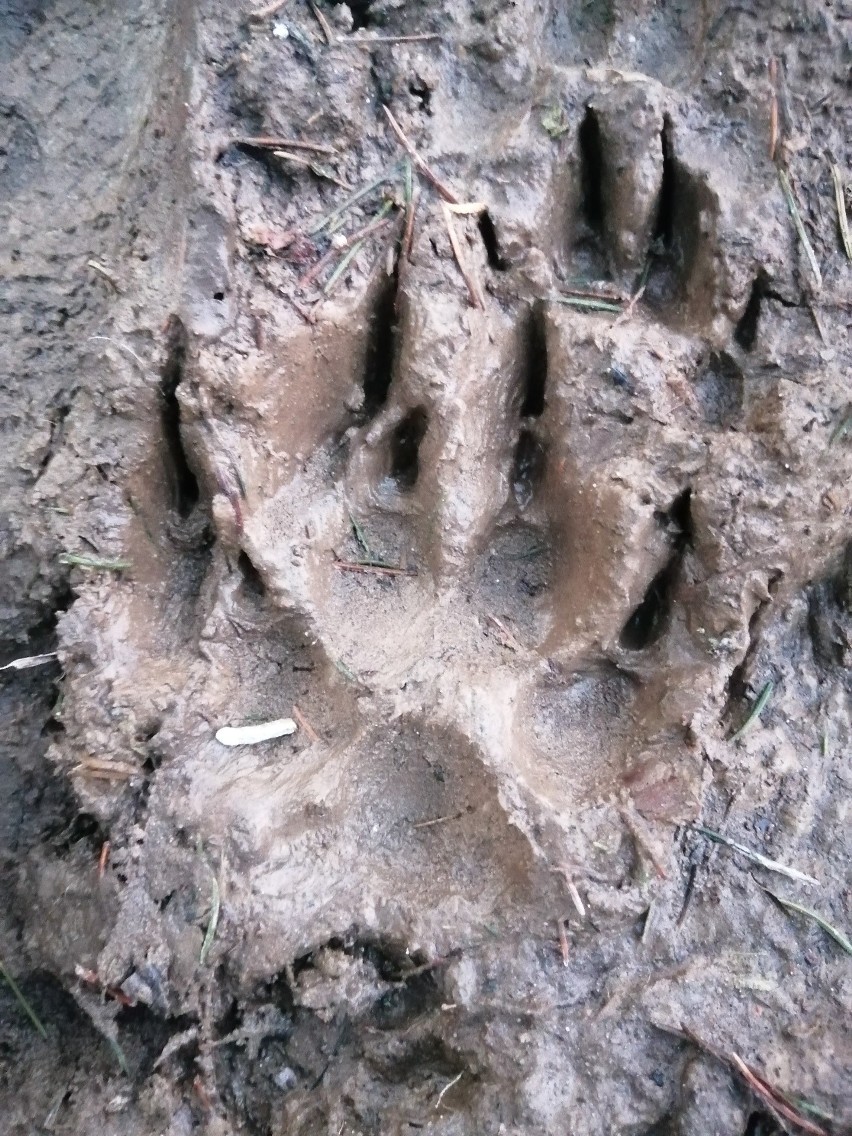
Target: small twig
{"x": 22, "y": 1002}
{"x": 378, "y": 224}
{"x": 585, "y": 303}
{"x": 756, "y": 710}
{"x": 92, "y": 978}
{"x": 331, "y": 283}
{"x": 817, "y": 323}
{"x": 213, "y": 923}
{"x": 437, "y": 820}
{"x": 789, "y": 905}
{"x": 269, "y": 142}
{"x": 104, "y": 770}
{"x": 269, "y": 10}
{"x": 360, "y": 235}
{"x": 318, "y": 171}
{"x": 122, "y": 346}
{"x": 509, "y": 639}
{"x": 102, "y": 859}
{"x": 773, "y": 1097}
{"x": 756, "y": 857}
{"x": 471, "y": 282}
{"x": 424, "y": 168}
{"x": 75, "y": 560}
{"x": 469, "y": 208}
{"x": 773, "y": 108}
{"x": 359, "y": 195}
{"x": 378, "y": 568}
{"x": 322, "y": 21}
{"x": 575, "y": 895}
{"x": 30, "y": 661}
{"x": 777, "y": 1101}
{"x": 840, "y": 201}
{"x": 447, "y": 1088}
{"x": 96, "y": 266}
{"x": 563, "y": 942}
{"x": 799, "y": 225}
{"x": 305, "y": 725}
{"x": 355, "y": 41}
{"x": 316, "y": 269}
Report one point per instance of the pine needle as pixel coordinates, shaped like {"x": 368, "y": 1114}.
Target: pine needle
{"x": 210, "y": 933}
{"x": 586, "y": 303}
{"x": 361, "y": 537}
{"x": 359, "y": 195}
{"x": 756, "y": 857}
{"x": 799, "y": 225}
{"x": 22, "y": 1002}
{"x": 789, "y": 905}
{"x": 842, "y": 220}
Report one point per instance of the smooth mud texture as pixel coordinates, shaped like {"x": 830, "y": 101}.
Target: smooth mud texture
{"x": 519, "y": 568}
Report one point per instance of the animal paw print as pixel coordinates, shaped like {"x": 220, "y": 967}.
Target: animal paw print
{"x": 502, "y": 557}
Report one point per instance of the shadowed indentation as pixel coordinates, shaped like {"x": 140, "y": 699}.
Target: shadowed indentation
{"x": 360, "y": 9}
{"x": 378, "y": 365}
{"x": 488, "y": 232}
{"x": 719, "y": 389}
{"x": 252, "y": 579}
{"x": 527, "y": 468}
{"x": 649, "y": 620}
{"x": 405, "y": 448}
{"x": 745, "y": 333}
{"x": 183, "y": 484}
{"x": 591, "y": 173}
{"x": 533, "y": 382}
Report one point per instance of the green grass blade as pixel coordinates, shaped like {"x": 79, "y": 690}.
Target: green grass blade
{"x": 22, "y": 1002}
{"x": 756, "y": 710}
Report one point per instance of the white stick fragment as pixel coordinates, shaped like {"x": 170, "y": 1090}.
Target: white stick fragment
{"x": 29, "y": 661}
{"x": 260, "y": 732}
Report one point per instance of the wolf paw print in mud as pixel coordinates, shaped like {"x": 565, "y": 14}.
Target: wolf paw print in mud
{"x": 482, "y": 490}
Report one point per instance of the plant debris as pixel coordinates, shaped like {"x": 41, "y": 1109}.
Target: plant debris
{"x": 30, "y": 661}
{"x": 94, "y": 563}
{"x": 22, "y": 1002}
{"x": 756, "y": 710}
{"x": 213, "y": 922}
{"x": 842, "y": 219}
{"x": 790, "y": 905}
{"x": 756, "y": 857}
{"x": 587, "y": 303}
{"x": 469, "y": 279}
{"x": 422, "y": 166}
{"x": 555, "y": 121}
{"x": 799, "y": 225}
{"x": 259, "y": 732}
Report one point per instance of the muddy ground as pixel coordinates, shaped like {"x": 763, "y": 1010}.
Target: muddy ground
{"x": 525, "y": 530}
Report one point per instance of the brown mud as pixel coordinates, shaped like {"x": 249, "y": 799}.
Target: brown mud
{"x": 523, "y": 567}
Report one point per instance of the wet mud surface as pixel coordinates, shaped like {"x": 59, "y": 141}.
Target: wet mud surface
{"x": 518, "y": 473}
